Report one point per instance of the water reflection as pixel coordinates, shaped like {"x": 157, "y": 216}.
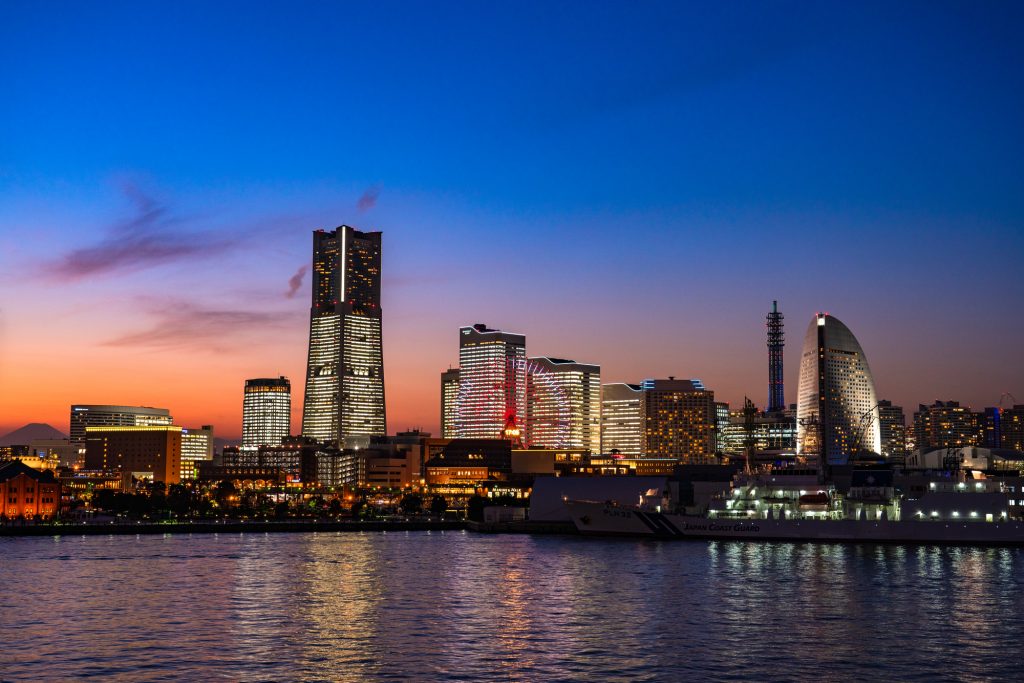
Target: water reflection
{"x": 457, "y": 606}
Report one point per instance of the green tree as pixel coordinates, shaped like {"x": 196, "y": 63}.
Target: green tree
{"x": 411, "y": 503}
{"x": 438, "y": 506}
{"x": 475, "y": 508}
{"x": 224, "y": 491}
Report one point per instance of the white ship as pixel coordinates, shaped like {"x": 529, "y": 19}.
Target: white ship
{"x": 792, "y": 506}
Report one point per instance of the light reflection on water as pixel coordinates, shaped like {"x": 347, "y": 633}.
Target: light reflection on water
{"x": 456, "y": 606}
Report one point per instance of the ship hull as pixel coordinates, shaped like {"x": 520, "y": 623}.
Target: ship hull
{"x": 605, "y": 520}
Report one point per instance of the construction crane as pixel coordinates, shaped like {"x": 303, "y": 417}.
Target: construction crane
{"x": 862, "y": 425}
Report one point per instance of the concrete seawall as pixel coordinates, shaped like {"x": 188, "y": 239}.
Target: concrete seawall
{"x": 227, "y": 527}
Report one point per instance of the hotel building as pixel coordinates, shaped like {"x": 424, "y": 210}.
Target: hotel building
{"x": 492, "y": 382}
{"x": 266, "y": 411}
{"x": 679, "y": 420}
{"x": 563, "y": 404}
{"x": 141, "y": 452}
{"x": 837, "y": 409}
{"x": 344, "y": 398}
{"x": 83, "y": 416}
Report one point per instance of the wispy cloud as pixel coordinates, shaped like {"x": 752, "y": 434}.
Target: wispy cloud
{"x": 369, "y": 199}
{"x": 295, "y": 281}
{"x": 151, "y": 238}
{"x": 180, "y": 325}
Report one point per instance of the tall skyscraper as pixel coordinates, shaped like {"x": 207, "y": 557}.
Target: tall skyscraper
{"x": 492, "y": 382}
{"x": 776, "y": 343}
{"x": 563, "y": 404}
{"x": 344, "y": 398}
{"x": 680, "y": 419}
{"x": 449, "y": 395}
{"x": 622, "y": 419}
{"x": 83, "y": 416}
{"x": 892, "y": 426}
{"x": 837, "y": 410}
{"x": 266, "y": 411}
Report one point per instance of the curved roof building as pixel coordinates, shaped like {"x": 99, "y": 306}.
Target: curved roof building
{"x": 837, "y": 408}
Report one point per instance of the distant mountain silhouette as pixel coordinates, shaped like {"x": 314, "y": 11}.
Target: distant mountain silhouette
{"x": 29, "y": 433}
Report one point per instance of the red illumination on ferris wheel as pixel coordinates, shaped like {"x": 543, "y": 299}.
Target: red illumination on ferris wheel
{"x": 489, "y": 398}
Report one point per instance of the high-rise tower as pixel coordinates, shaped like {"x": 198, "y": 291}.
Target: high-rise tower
{"x": 776, "y": 341}
{"x": 837, "y": 409}
{"x": 563, "y": 404}
{"x": 492, "y": 382}
{"x": 449, "y": 395}
{"x": 266, "y": 411}
{"x": 344, "y": 398}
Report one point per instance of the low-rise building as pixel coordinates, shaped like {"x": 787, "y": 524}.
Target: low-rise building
{"x": 26, "y": 492}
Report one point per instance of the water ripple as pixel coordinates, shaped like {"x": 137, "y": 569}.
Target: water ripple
{"x": 459, "y": 607}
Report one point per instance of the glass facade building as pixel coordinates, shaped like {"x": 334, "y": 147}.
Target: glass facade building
{"x": 563, "y": 404}
{"x": 266, "y": 411}
{"x": 492, "y": 382}
{"x": 837, "y": 410}
{"x": 449, "y": 396}
{"x": 196, "y": 447}
{"x": 344, "y": 399}
{"x": 622, "y": 418}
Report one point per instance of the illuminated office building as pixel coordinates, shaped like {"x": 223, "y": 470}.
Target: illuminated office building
{"x": 563, "y": 404}
{"x": 492, "y": 382}
{"x": 679, "y": 419}
{"x": 837, "y": 410}
{"x": 768, "y": 431}
{"x": 196, "y": 447}
{"x": 721, "y": 422}
{"x": 892, "y": 426}
{"x": 83, "y": 416}
{"x": 449, "y": 396}
{"x": 344, "y": 399}
{"x": 266, "y": 411}
{"x": 622, "y": 418}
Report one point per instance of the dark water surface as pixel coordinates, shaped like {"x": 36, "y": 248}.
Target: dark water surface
{"x": 430, "y": 606}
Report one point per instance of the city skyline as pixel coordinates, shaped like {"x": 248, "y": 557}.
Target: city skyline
{"x": 155, "y": 251}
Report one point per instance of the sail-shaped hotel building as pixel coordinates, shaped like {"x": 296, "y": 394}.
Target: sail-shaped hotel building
{"x": 837, "y": 408}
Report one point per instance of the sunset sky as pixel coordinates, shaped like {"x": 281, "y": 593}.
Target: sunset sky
{"x": 628, "y": 184}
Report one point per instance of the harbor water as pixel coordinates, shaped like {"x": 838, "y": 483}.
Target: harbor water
{"x": 458, "y": 606}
